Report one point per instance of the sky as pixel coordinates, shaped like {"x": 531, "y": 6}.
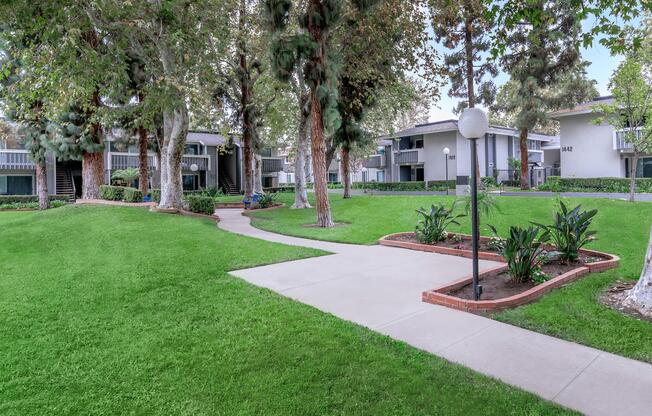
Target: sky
{"x": 602, "y": 66}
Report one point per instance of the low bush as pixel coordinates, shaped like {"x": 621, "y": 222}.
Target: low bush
{"x": 488, "y": 181}
{"x": 112, "y": 193}
{"x": 30, "y": 205}
{"x": 201, "y": 204}
{"x": 277, "y": 189}
{"x": 612, "y": 185}
{"x": 266, "y": 200}
{"x": 11, "y": 199}
{"x": 156, "y": 195}
{"x": 524, "y": 253}
{"x": 432, "y": 224}
{"x": 570, "y": 231}
{"x": 390, "y": 186}
{"x": 132, "y": 195}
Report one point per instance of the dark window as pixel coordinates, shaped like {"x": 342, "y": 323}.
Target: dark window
{"x": 418, "y": 144}
{"x": 192, "y": 149}
{"x": 190, "y": 182}
{"x": 419, "y": 174}
{"x": 16, "y": 185}
{"x": 332, "y": 177}
{"x": 266, "y": 152}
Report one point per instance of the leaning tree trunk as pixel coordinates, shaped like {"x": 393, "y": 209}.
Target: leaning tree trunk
{"x": 175, "y": 132}
{"x": 346, "y": 174}
{"x": 258, "y": 174}
{"x": 143, "y": 167}
{"x": 300, "y": 189}
{"x": 92, "y": 174}
{"x": 42, "y": 185}
{"x": 640, "y": 296}
{"x": 632, "y": 177}
{"x": 525, "y": 177}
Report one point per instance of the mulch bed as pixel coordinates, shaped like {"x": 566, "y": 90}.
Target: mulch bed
{"x": 501, "y": 286}
{"x": 613, "y": 298}
{"x": 465, "y": 243}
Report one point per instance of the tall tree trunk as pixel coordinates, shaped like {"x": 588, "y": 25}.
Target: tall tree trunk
{"x": 632, "y": 177}
{"x": 346, "y": 174}
{"x": 42, "y": 185}
{"x": 143, "y": 165}
{"x": 92, "y": 174}
{"x": 640, "y": 296}
{"x": 175, "y": 132}
{"x": 525, "y": 176}
{"x": 300, "y": 189}
{"x": 245, "y": 104}
{"x": 470, "y": 76}
{"x": 258, "y": 174}
{"x": 317, "y": 138}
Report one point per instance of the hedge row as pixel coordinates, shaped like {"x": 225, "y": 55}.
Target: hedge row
{"x": 120, "y": 193}
{"x": 617, "y": 185}
{"x": 23, "y": 199}
{"x": 404, "y": 186}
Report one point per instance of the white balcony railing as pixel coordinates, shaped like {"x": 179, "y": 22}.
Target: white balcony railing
{"x": 129, "y": 160}
{"x": 16, "y": 159}
{"x": 375, "y": 162}
{"x": 621, "y": 136}
{"x": 408, "y": 157}
{"x": 272, "y": 164}
{"x": 203, "y": 162}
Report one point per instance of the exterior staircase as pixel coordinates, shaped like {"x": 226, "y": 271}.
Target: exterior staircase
{"x": 226, "y": 182}
{"x": 65, "y": 183}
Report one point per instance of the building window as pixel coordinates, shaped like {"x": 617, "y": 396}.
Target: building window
{"x": 192, "y": 149}
{"x": 266, "y": 152}
{"x": 365, "y": 176}
{"x": 332, "y": 177}
{"x": 380, "y": 176}
{"x": 16, "y": 185}
{"x": 190, "y": 182}
{"x": 290, "y": 178}
{"x": 418, "y": 144}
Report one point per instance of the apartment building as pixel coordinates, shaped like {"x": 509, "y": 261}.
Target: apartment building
{"x": 210, "y": 160}
{"x": 589, "y": 150}
{"x": 418, "y": 154}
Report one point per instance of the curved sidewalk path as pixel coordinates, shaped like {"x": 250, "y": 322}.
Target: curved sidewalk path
{"x": 380, "y": 288}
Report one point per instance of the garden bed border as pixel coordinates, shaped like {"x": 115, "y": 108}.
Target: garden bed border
{"x": 482, "y": 255}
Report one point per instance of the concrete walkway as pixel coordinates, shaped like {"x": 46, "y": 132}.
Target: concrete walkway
{"x": 380, "y": 288}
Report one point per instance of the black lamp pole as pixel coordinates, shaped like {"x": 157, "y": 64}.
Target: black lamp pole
{"x": 446, "y": 158}
{"x": 477, "y": 290}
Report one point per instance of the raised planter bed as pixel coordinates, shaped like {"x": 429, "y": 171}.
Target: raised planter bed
{"x": 458, "y": 294}
{"x": 462, "y": 249}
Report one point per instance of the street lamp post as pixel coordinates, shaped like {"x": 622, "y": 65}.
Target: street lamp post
{"x": 446, "y": 152}
{"x": 473, "y": 123}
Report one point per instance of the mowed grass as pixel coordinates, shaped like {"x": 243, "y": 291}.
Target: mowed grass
{"x": 111, "y": 310}
{"x": 572, "y": 312}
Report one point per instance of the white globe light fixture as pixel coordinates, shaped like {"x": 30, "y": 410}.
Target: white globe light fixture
{"x": 194, "y": 167}
{"x": 473, "y": 124}
{"x": 446, "y": 150}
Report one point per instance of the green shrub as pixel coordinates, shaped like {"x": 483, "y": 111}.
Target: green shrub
{"x": 277, "y": 189}
{"x": 570, "y": 231}
{"x": 524, "y": 253}
{"x": 488, "y": 181}
{"x": 156, "y": 195}
{"x": 132, "y": 195}
{"x": 57, "y": 203}
{"x": 112, "y": 193}
{"x": 432, "y": 224}
{"x": 609, "y": 185}
{"x": 390, "y": 186}
{"x": 266, "y": 200}
{"x": 10, "y": 199}
{"x": 201, "y": 204}
{"x": 496, "y": 242}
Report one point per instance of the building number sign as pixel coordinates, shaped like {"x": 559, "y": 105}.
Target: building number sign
{"x": 567, "y": 148}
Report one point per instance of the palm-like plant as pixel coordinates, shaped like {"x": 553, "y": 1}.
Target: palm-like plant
{"x": 128, "y": 175}
{"x": 570, "y": 231}
{"x": 432, "y": 224}
{"x": 523, "y": 252}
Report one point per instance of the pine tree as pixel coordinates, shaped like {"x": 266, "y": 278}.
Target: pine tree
{"x": 312, "y": 43}
{"x": 542, "y": 53}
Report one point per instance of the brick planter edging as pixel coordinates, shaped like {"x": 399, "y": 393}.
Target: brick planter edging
{"x": 229, "y": 205}
{"x": 438, "y": 296}
{"x": 482, "y": 255}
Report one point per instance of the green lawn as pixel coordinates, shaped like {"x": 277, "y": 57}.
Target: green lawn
{"x": 572, "y": 313}
{"x": 110, "y": 310}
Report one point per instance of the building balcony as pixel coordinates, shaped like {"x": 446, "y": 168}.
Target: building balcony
{"x": 119, "y": 161}
{"x": 203, "y": 162}
{"x": 374, "y": 162}
{"x": 16, "y": 159}
{"x": 409, "y": 157}
{"x": 272, "y": 164}
{"x": 620, "y": 139}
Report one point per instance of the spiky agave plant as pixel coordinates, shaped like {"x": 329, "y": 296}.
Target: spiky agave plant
{"x": 432, "y": 224}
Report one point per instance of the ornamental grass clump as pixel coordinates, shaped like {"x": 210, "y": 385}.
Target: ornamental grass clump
{"x": 570, "y": 231}
{"x": 525, "y": 254}
{"x": 431, "y": 227}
